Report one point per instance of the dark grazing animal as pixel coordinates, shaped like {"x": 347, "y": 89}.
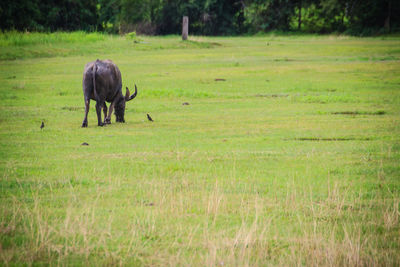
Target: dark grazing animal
{"x": 149, "y": 118}
{"x": 42, "y": 125}
{"x": 102, "y": 82}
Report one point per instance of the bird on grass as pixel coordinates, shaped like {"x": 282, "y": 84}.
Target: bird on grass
{"x": 42, "y": 125}
{"x": 149, "y": 118}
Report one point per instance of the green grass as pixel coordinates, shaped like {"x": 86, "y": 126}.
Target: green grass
{"x": 287, "y": 154}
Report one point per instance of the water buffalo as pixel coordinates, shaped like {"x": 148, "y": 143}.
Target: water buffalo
{"x": 102, "y": 82}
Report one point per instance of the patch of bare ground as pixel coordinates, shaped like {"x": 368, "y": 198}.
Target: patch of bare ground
{"x": 271, "y": 95}
{"x": 332, "y": 139}
{"x": 379, "y": 112}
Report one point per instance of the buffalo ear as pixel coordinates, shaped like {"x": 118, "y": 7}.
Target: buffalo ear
{"x": 127, "y": 94}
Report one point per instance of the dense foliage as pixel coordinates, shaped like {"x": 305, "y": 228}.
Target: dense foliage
{"x": 209, "y": 17}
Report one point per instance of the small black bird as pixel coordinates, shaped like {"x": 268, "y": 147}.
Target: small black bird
{"x": 149, "y": 118}
{"x": 42, "y": 126}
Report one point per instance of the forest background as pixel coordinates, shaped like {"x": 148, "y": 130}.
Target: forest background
{"x": 207, "y": 17}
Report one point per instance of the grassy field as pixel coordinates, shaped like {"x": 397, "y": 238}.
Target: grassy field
{"x": 287, "y": 154}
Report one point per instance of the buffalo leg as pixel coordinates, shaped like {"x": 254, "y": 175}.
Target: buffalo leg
{"x": 85, "y": 122}
{"x": 98, "y": 112}
{"x": 105, "y": 113}
{"x": 110, "y": 111}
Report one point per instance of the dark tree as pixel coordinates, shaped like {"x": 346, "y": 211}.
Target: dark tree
{"x": 209, "y": 17}
{"x": 48, "y": 15}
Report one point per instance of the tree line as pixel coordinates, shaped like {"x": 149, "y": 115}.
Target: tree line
{"x": 207, "y": 17}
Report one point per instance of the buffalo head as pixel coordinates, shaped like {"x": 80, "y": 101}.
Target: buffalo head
{"x": 120, "y": 105}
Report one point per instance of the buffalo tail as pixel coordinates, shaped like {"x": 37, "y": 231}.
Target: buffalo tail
{"x": 94, "y": 80}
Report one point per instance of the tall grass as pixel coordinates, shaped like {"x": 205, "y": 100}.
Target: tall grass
{"x": 19, "y": 45}
{"x": 14, "y": 38}
{"x": 295, "y": 230}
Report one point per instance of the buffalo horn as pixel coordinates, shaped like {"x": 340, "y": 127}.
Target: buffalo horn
{"x": 132, "y": 96}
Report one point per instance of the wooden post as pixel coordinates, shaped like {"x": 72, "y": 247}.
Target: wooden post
{"x": 185, "y": 27}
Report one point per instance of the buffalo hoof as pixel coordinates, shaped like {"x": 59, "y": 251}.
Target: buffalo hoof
{"x": 107, "y": 121}
{"x": 84, "y": 124}
{"x": 100, "y": 124}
